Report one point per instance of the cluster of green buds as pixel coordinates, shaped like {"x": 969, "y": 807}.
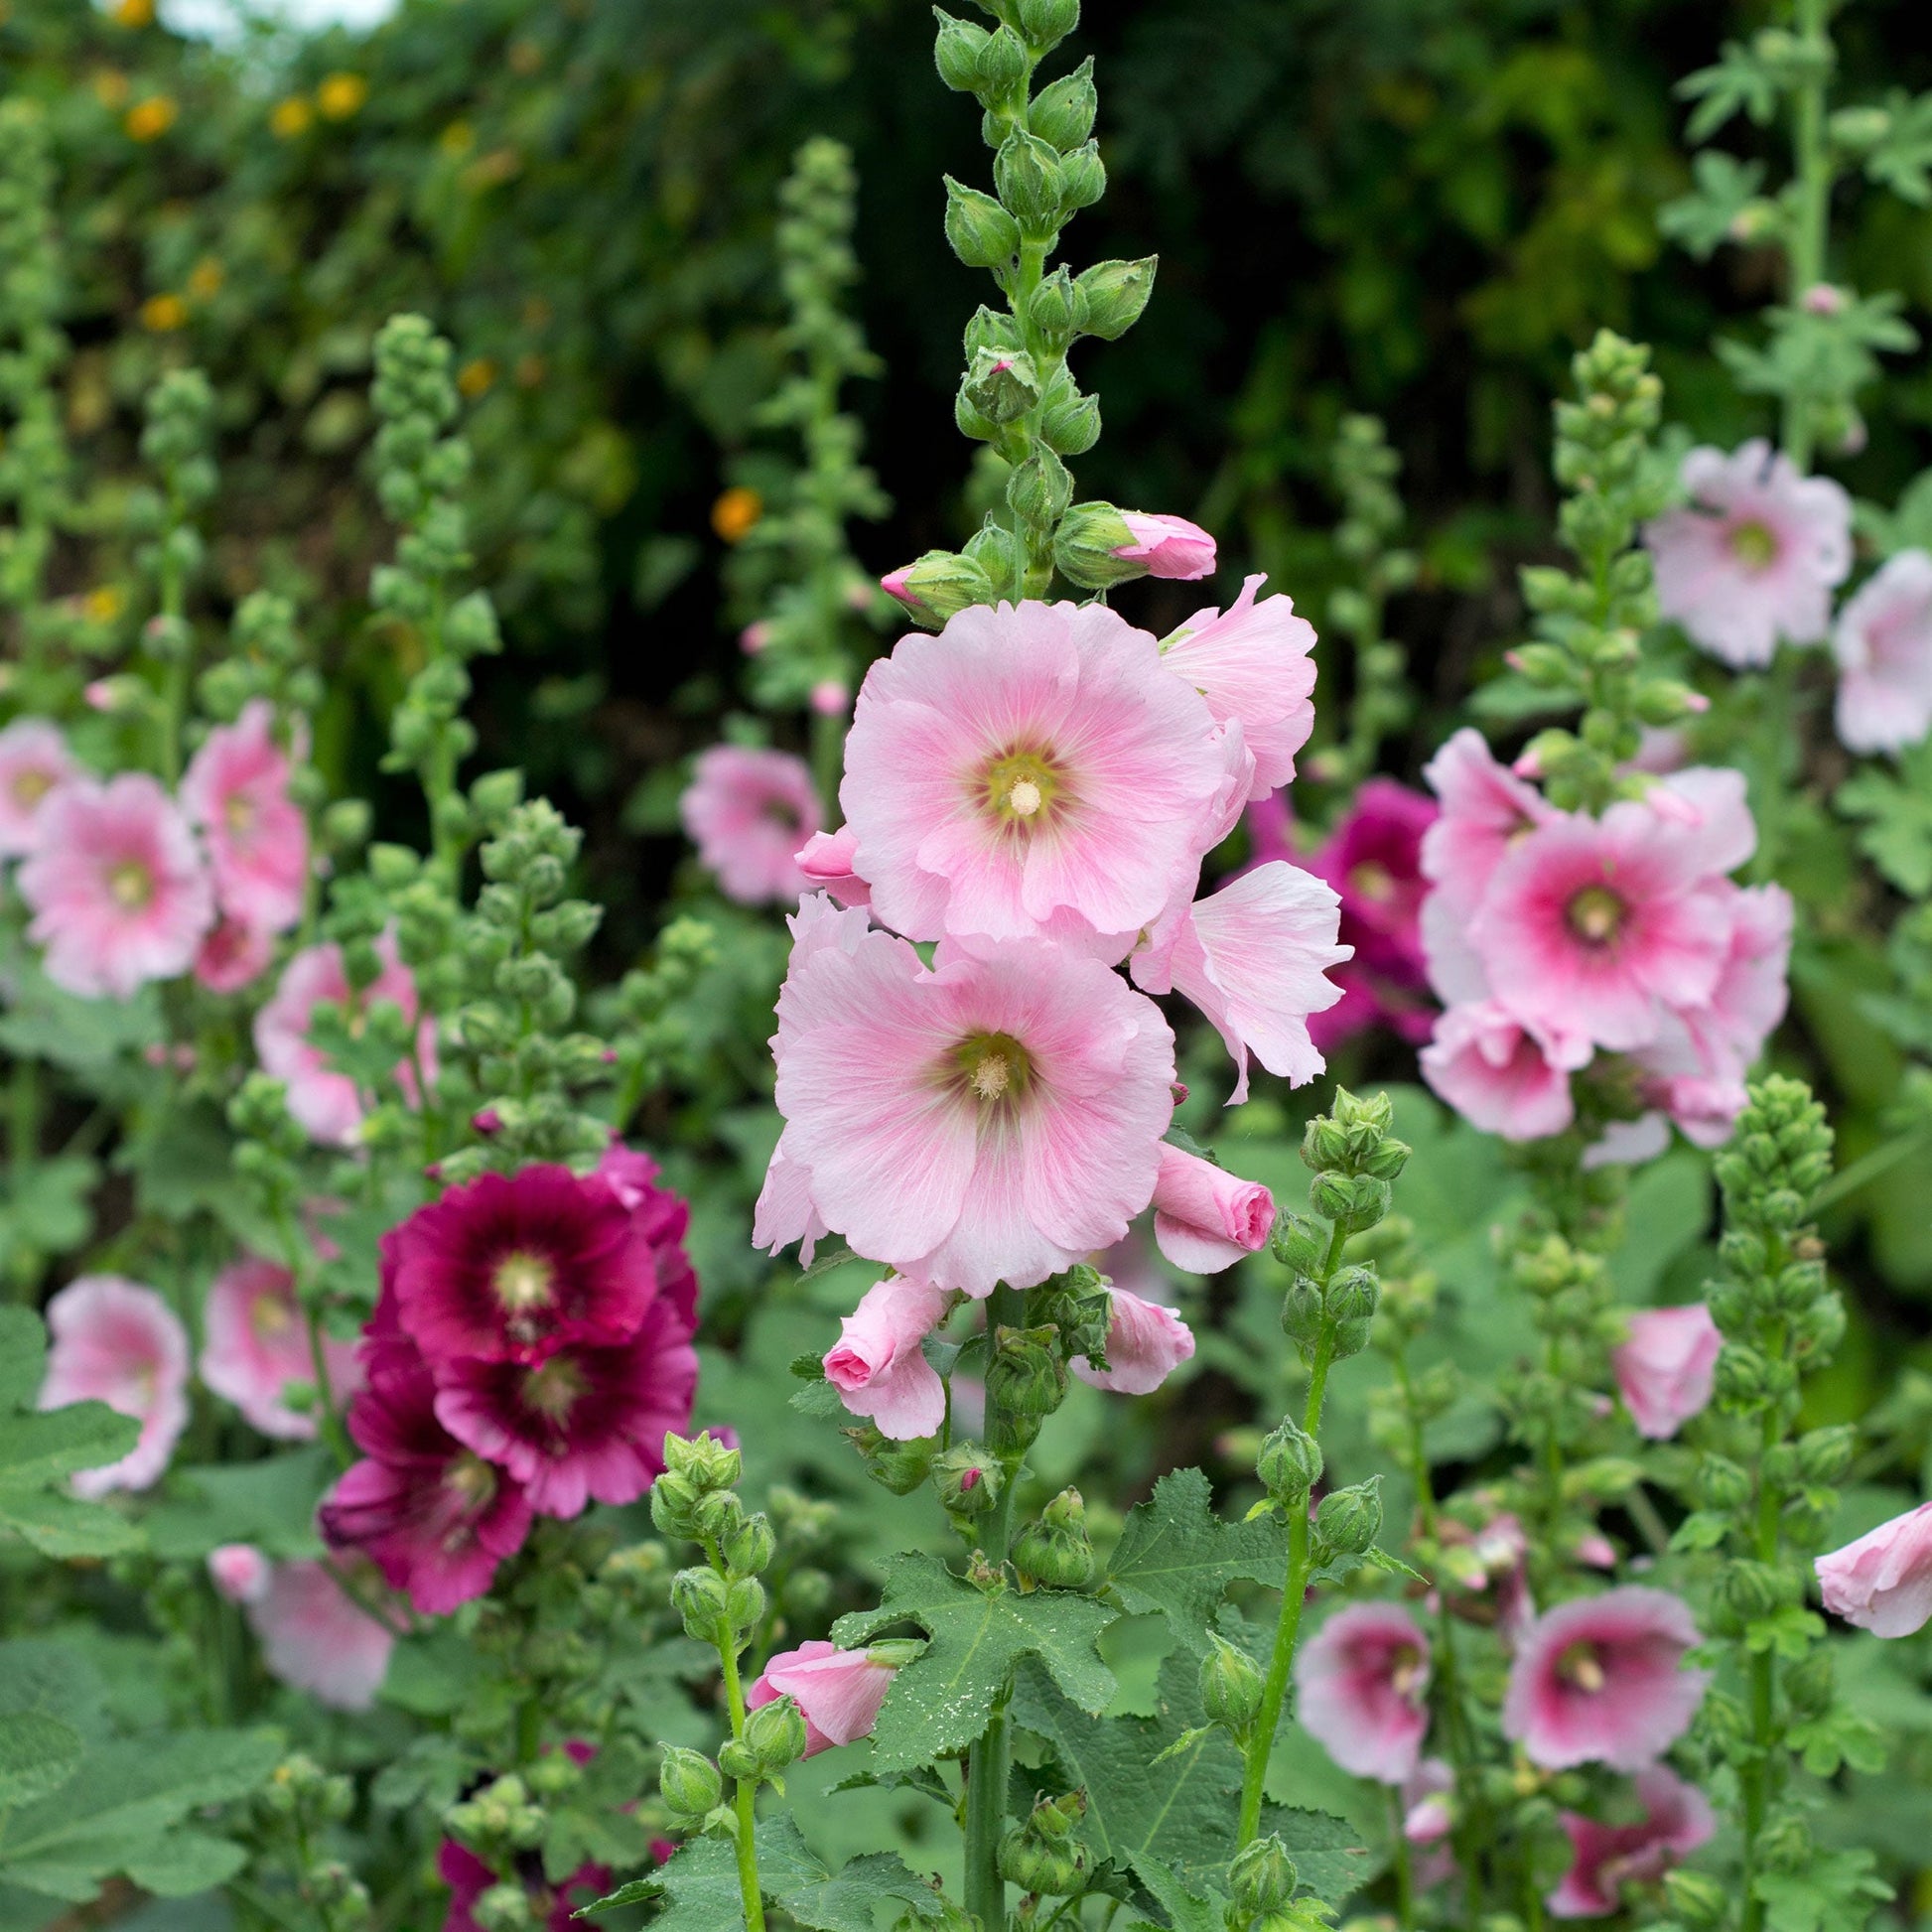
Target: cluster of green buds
{"x": 1041, "y": 1855}
{"x": 652, "y": 1036}
{"x": 291, "y": 1818}
{"x": 1055, "y": 1550}
{"x": 265, "y": 658}
{"x": 502, "y": 1824}
{"x": 1262, "y": 1882}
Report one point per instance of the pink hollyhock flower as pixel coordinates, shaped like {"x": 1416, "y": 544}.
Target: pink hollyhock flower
{"x": 1677, "y": 1818}
{"x": 1429, "y": 1816}
{"x": 233, "y": 956}
{"x": 659, "y": 1221}
{"x": 34, "y": 762}
{"x": 1485, "y": 809}
{"x": 239, "y": 1572}
{"x": 1882, "y": 1582}
{"x": 1359, "y": 1690}
{"x": 1884, "y": 645}
{"x": 554, "y": 1907}
{"x": 1206, "y": 1218}
{"x": 256, "y": 1342}
{"x": 826, "y": 860}
{"x": 1169, "y": 546}
{"x": 995, "y": 1119}
{"x": 112, "y": 1341}
{"x": 1145, "y": 1342}
{"x": 1503, "y": 1075}
{"x": 1601, "y": 1680}
{"x": 1030, "y": 772}
{"x": 237, "y": 790}
{"x": 1753, "y": 559}
{"x": 877, "y": 1364}
{"x": 1666, "y": 1366}
{"x": 316, "y": 1638}
{"x": 116, "y": 886}
{"x": 747, "y": 812}
{"x": 322, "y": 1101}
{"x": 838, "y": 1691}
{"x": 1252, "y": 663}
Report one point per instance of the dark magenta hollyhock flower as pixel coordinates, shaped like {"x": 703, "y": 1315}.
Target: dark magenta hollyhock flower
{"x": 1677, "y": 1818}
{"x": 658, "y": 1218}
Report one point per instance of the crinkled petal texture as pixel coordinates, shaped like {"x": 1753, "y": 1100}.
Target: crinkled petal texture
{"x": 1884, "y": 645}
{"x": 1666, "y": 1366}
{"x": 1206, "y": 1218}
{"x": 34, "y": 762}
{"x": 1602, "y": 1680}
{"x": 878, "y": 1366}
{"x": 748, "y": 811}
{"x": 1360, "y": 1685}
{"x": 1145, "y": 1342}
{"x": 1501, "y": 1074}
{"x": 255, "y": 1342}
{"x": 237, "y": 790}
{"x": 1677, "y": 1818}
{"x": 1882, "y": 1582}
{"x": 1485, "y": 809}
{"x": 838, "y": 1691}
{"x": 995, "y": 1119}
{"x": 315, "y": 1636}
{"x": 1031, "y": 772}
{"x": 115, "y": 1341}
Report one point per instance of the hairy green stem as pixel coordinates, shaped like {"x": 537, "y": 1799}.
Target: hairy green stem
{"x": 744, "y": 1790}
{"x": 1755, "y": 1777}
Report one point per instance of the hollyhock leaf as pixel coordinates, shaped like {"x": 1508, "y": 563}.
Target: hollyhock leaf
{"x": 1186, "y": 1910}
{"x": 432, "y": 1673}
{"x": 185, "y": 1863}
{"x": 1897, "y": 835}
{"x": 63, "y": 1527}
{"x": 698, "y": 1883}
{"x": 1834, "y": 1892}
{"x": 39, "y": 1752}
{"x": 269, "y": 1504}
{"x": 1176, "y": 1556}
{"x": 922, "y": 1777}
{"x": 433, "y": 1773}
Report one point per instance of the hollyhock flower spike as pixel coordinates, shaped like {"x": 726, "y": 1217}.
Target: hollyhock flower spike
{"x": 1169, "y": 546}
{"x": 1206, "y": 1218}
{"x": 1502, "y": 1074}
{"x": 256, "y": 1342}
{"x": 838, "y": 1691}
{"x": 748, "y": 811}
{"x": 1883, "y": 641}
{"x": 1665, "y": 1367}
{"x": 1601, "y": 1680}
{"x": 1882, "y": 1582}
{"x": 239, "y": 1572}
{"x": 877, "y": 1364}
{"x": 316, "y": 1638}
{"x": 1360, "y": 1687}
{"x": 115, "y": 1341}
{"x": 1145, "y": 1342}
{"x": 33, "y": 762}
{"x": 1677, "y": 1820}
{"x": 237, "y": 790}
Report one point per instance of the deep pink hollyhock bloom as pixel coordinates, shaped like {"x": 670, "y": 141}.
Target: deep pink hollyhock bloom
{"x": 1169, "y": 546}
{"x": 324, "y": 1102}
{"x": 256, "y": 1342}
{"x": 1485, "y": 809}
{"x": 1677, "y": 1818}
{"x": 1030, "y": 772}
{"x": 1883, "y": 641}
{"x": 237, "y": 790}
{"x": 117, "y": 886}
{"x": 233, "y": 956}
{"x": 1601, "y": 1680}
{"x": 112, "y": 1341}
{"x": 1503, "y": 1075}
{"x": 995, "y": 1119}
{"x": 877, "y": 1364}
{"x": 1360, "y": 1687}
{"x": 1882, "y": 1582}
{"x": 826, "y": 860}
{"x": 747, "y": 812}
{"x": 1206, "y": 1218}
{"x": 1753, "y": 559}
{"x": 1145, "y": 1342}
{"x": 34, "y": 762}
{"x": 239, "y": 1572}
{"x": 838, "y": 1691}
{"x": 1253, "y": 662}
{"x": 659, "y": 1219}
{"x": 315, "y": 1638}
{"x": 1666, "y": 1365}
{"x": 553, "y": 1907}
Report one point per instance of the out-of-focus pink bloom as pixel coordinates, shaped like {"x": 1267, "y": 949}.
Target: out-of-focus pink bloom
{"x": 115, "y": 1341}
{"x": 325, "y": 1103}
{"x": 747, "y": 812}
{"x": 233, "y": 956}
{"x": 237, "y": 790}
{"x": 1597, "y": 1549}
{"x": 1169, "y": 546}
{"x": 117, "y": 886}
{"x": 1882, "y": 1582}
{"x": 838, "y": 1691}
{"x": 1502, "y": 1074}
{"x": 239, "y": 1572}
{"x": 754, "y": 638}
{"x": 1753, "y": 559}
{"x": 877, "y": 1364}
{"x": 826, "y": 860}
{"x": 1485, "y": 809}
{"x": 256, "y": 1342}
{"x": 1601, "y": 1680}
{"x": 34, "y": 762}
{"x": 1666, "y": 1365}
{"x": 315, "y": 1638}
{"x": 1428, "y": 1816}
{"x": 1360, "y": 1688}
{"x": 1145, "y": 1342}
{"x": 1677, "y": 1818}
{"x": 1629, "y": 1143}
{"x": 831, "y": 697}
{"x": 1206, "y": 1218}
{"x": 554, "y": 1907}
{"x": 1884, "y": 645}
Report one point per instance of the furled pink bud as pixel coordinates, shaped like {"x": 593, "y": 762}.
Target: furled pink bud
{"x": 877, "y": 1364}
{"x": 1169, "y": 546}
{"x": 1206, "y": 1218}
{"x": 754, "y": 637}
{"x": 239, "y": 1572}
{"x": 826, "y": 860}
{"x": 1666, "y": 1366}
{"x": 1882, "y": 1582}
{"x": 831, "y": 697}
{"x": 839, "y": 1691}
{"x": 1146, "y": 1343}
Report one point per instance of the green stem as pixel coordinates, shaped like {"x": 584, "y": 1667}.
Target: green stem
{"x": 1774, "y": 746}
{"x": 744, "y": 1795}
{"x": 1405, "y": 1878}
{"x": 1755, "y": 1776}
{"x": 1810, "y": 234}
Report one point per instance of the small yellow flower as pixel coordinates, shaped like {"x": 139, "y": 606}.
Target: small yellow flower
{"x": 342, "y": 95}
{"x": 733, "y": 513}
{"x": 164, "y": 314}
{"x": 111, "y": 89}
{"x": 205, "y": 279}
{"x": 104, "y": 604}
{"x": 150, "y": 119}
{"x": 134, "y": 13}
{"x": 476, "y": 375}
{"x": 291, "y": 118}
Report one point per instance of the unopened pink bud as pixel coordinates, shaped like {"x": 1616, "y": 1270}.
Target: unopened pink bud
{"x": 830, "y": 697}
{"x": 754, "y": 637}
{"x": 239, "y": 1572}
{"x": 487, "y": 1120}
{"x": 1822, "y": 299}
{"x": 102, "y": 694}
{"x": 969, "y": 1479}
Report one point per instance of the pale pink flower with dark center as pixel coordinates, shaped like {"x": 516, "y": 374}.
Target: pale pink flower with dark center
{"x": 115, "y": 1341}
{"x": 316, "y": 1638}
{"x": 1666, "y": 1365}
{"x": 255, "y": 1342}
{"x": 117, "y": 886}
{"x": 239, "y": 1572}
{"x": 1883, "y": 641}
{"x": 1882, "y": 1582}
{"x": 826, "y": 860}
{"x": 1752, "y": 561}
{"x": 1602, "y": 1680}
{"x": 233, "y": 956}
{"x": 1677, "y": 1818}
{"x": 237, "y": 790}
{"x": 1503, "y": 1075}
{"x": 838, "y": 1691}
{"x": 1485, "y": 809}
{"x": 748, "y": 811}
{"x": 878, "y": 1366}
{"x": 1360, "y": 1689}
{"x": 1206, "y": 1218}
{"x": 1169, "y": 546}
{"x": 1145, "y": 1342}
{"x": 33, "y": 762}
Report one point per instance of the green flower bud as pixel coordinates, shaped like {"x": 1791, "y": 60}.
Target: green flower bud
{"x": 957, "y": 53}
{"x": 1721, "y": 1484}
{"x": 1069, "y": 423}
{"x": 1002, "y": 384}
{"x": 1045, "y": 22}
{"x": 1262, "y": 1878}
{"x": 1025, "y": 1376}
{"x": 1084, "y": 178}
{"x": 1811, "y": 1682}
{"x": 1090, "y": 535}
{"x": 1824, "y": 1456}
{"x": 1056, "y": 309}
{"x": 720, "y": 1516}
{"x": 1303, "y": 1313}
{"x": 982, "y": 234}
{"x": 673, "y": 1502}
{"x": 704, "y": 1462}
{"x": 1056, "y": 1550}
{"x": 751, "y": 1547}
{"x": 1115, "y": 293}
{"x": 745, "y": 1603}
{"x": 897, "y": 1466}
{"x": 504, "y": 1907}
{"x": 1348, "y": 1521}
{"x": 1754, "y": 1589}
{"x": 1039, "y": 489}
{"x": 775, "y": 1736}
{"x": 1290, "y": 1463}
{"x": 1039, "y": 1856}
{"x": 991, "y": 329}
{"x": 1031, "y": 178}
{"x": 938, "y": 586}
{"x": 1063, "y": 113}
{"x": 698, "y": 1595}
{"x": 689, "y": 1781}
{"x": 1003, "y": 65}
{"x": 1696, "y": 1898}
{"x": 1231, "y": 1688}
{"x": 968, "y": 1480}
{"x": 996, "y": 552}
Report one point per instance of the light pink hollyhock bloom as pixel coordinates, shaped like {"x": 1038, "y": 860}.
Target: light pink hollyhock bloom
{"x": 1253, "y": 662}
{"x": 316, "y": 1638}
{"x": 1360, "y": 1688}
{"x": 747, "y": 812}
{"x": 256, "y": 1342}
{"x": 34, "y": 762}
{"x": 117, "y": 886}
{"x": 1882, "y": 1582}
{"x": 1883, "y": 641}
{"x": 233, "y": 956}
{"x": 1665, "y": 1367}
{"x": 877, "y": 1364}
{"x": 1754, "y": 558}
{"x": 1428, "y": 1818}
{"x": 112, "y": 1341}
{"x": 1629, "y": 1143}
{"x": 1030, "y": 772}
{"x": 826, "y": 860}
{"x": 1169, "y": 546}
{"x": 1601, "y": 1680}
{"x": 324, "y": 1102}
{"x": 1486, "y": 810}
{"x": 838, "y": 1691}
{"x": 239, "y": 1572}
{"x": 236, "y": 789}
{"x": 995, "y": 1119}
{"x": 1145, "y": 1342}
{"x": 1206, "y": 1218}
{"x": 1503, "y": 1075}
{"x": 1677, "y": 1818}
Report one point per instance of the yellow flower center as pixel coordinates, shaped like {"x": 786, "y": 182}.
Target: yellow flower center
{"x": 270, "y": 1316}
{"x": 1753, "y": 545}
{"x": 553, "y": 1389}
{"x": 472, "y": 1481}
{"x": 1372, "y": 881}
{"x": 29, "y": 787}
{"x": 1407, "y": 1671}
{"x": 1580, "y": 1664}
{"x": 1595, "y": 915}
{"x": 523, "y": 1282}
{"x": 239, "y": 812}
{"x": 993, "y": 1067}
{"x": 1022, "y": 790}
{"x": 131, "y": 883}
